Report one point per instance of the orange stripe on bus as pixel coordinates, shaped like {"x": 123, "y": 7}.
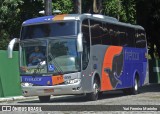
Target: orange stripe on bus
{"x": 59, "y": 17}
{"x": 57, "y": 79}
{"x": 107, "y": 63}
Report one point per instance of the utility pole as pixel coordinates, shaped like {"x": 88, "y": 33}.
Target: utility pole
{"x": 78, "y": 6}
{"x": 48, "y": 7}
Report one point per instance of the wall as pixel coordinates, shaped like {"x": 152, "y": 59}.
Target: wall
{"x": 9, "y": 75}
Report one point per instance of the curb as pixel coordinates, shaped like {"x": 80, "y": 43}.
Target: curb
{"x": 6, "y": 99}
{"x": 16, "y": 98}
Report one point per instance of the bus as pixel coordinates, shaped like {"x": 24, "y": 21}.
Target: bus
{"x": 83, "y": 54}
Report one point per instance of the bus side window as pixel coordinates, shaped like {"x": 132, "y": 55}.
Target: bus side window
{"x": 106, "y": 39}
{"x": 140, "y": 39}
{"x": 113, "y": 32}
{"x": 131, "y": 37}
{"x": 122, "y": 39}
{"x": 96, "y": 32}
{"x": 86, "y": 43}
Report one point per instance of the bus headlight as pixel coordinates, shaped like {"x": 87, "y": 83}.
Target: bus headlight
{"x": 72, "y": 81}
{"x": 26, "y": 84}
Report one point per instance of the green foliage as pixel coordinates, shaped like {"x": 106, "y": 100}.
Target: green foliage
{"x": 114, "y": 8}
{"x": 143, "y": 12}
{"x": 8, "y": 12}
{"x": 8, "y": 20}
{"x": 3, "y": 40}
{"x": 129, "y": 7}
{"x": 123, "y": 10}
{"x": 65, "y": 6}
{"x": 30, "y": 9}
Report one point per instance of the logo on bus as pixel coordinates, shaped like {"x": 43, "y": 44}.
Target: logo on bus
{"x": 51, "y": 67}
{"x": 130, "y": 55}
{"x": 32, "y": 79}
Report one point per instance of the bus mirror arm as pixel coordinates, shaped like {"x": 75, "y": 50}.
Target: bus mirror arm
{"x": 79, "y": 42}
{"x": 11, "y": 46}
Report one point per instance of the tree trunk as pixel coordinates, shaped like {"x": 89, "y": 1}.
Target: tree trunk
{"x": 97, "y": 6}
{"x": 77, "y": 6}
{"x": 95, "y": 10}
{"x": 100, "y": 8}
{"x": 48, "y": 7}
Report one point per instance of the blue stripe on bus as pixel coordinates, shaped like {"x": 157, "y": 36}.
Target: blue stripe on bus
{"x": 39, "y": 20}
{"x": 37, "y": 80}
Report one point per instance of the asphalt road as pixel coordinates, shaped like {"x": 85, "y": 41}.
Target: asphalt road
{"x": 149, "y": 95}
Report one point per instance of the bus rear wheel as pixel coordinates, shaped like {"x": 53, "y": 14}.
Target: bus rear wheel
{"x": 44, "y": 98}
{"x": 93, "y": 96}
{"x": 135, "y": 88}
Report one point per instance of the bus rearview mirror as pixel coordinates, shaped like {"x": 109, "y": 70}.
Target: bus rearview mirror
{"x": 11, "y": 46}
{"x": 79, "y": 42}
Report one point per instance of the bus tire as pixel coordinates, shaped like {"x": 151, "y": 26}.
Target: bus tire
{"x": 135, "y": 88}
{"x": 93, "y": 96}
{"x": 44, "y": 98}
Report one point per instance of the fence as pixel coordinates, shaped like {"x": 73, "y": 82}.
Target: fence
{"x": 9, "y": 75}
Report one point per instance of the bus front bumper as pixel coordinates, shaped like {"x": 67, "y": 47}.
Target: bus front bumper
{"x": 67, "y": 89}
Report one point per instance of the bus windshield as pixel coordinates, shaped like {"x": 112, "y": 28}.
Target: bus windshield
{"x": 58, "y": 57}
{"x": 45, "y": 30}
{"x": 63, "y": 54}
{"x": 33, "y": 57}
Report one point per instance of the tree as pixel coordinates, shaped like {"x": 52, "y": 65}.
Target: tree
{"x": 114, "y": 8}
{"x": 143, "y": 12}
{"x": 8, "y": 20}
{"x": 129, "y": 7}
{"x": 148, "y": 15}
{"x": 87, "y": 6}
{"x": 12, "y": 14}
{"x": 65, "y": 6}
{"x": 30, "y": 9}
{"x": 92, "y": 6}
{"x": 123, "y": 10}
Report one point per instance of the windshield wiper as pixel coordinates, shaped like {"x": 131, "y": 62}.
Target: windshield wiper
{"x": 58, "y": 68}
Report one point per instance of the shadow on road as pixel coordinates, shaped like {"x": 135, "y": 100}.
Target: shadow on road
{"x": 150, "y": 88}
{"x": 105, "y": 95}
{"x": 77, "y": 98}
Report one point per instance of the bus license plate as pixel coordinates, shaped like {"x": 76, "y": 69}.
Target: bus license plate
{"x": 48, "y": 90}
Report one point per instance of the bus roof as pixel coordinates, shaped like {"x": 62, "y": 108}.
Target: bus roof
{"x": 62, "y": 17}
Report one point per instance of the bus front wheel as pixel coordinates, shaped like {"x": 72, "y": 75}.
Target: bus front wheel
{"x": 93, "y": 96}
{"x": 44, "y": 98}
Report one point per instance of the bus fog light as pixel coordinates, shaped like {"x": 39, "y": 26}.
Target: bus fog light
{"x": 26, "y": 84}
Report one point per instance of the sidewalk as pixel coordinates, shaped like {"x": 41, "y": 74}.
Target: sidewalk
{"x": 15, "y": 98}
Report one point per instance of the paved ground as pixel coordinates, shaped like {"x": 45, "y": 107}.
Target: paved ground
{"x": 149, "y": 95}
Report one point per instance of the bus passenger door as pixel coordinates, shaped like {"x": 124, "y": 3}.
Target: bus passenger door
{"x": 86, "y": 63}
